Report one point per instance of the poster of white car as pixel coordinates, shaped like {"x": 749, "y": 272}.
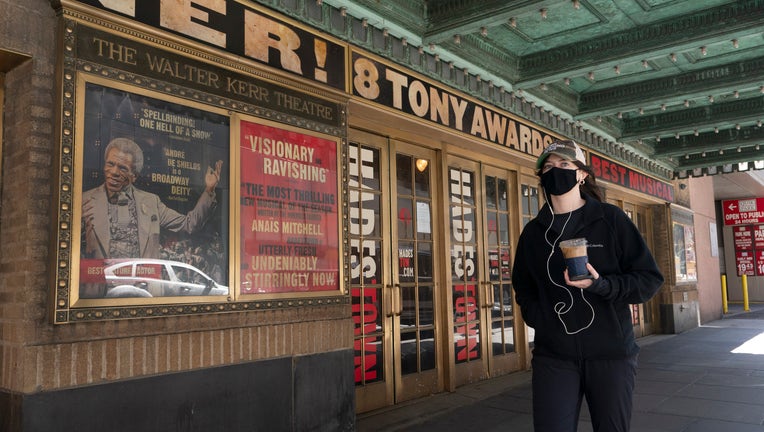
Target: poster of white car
{"x": 158, "y": 278}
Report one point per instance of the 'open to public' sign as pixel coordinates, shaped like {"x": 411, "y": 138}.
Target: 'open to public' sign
{"x": 743, "y": 211}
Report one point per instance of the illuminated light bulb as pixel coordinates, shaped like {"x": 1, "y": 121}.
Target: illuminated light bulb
{"x": 617, "y": 70}
{"x": 645, "y": 64}
{"x": 576, "y": 4}
{"x": 663, "y": 107}
{"x": 686, "y": 103}
{"x": 567, "y": 81}
{"x": 591, "y": 76}
{"x": 484, "y": 31}
{"x": 735, "y": 43}
{"x": 513, "y": 22}
{"x": 457, "y": 39}
{"x": 543, "y": 13}
{"x": 703, "y": 50}
{"x": 673, "y": 57}
{"x": 711, "y": 99}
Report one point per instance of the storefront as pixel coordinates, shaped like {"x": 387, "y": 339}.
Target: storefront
{"x": 347, "y": 223}
{"x": 438, "y": 214}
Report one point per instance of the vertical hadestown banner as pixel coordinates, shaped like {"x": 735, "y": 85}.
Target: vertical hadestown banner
{"x": 289, "y": 211}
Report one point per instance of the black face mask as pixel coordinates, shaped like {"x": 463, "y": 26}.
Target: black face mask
{"x": 558, "y": 181}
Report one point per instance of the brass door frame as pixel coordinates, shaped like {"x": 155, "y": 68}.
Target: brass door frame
{"x": 378, "y": 393}
{"x": 396, "y": 387}
{"x": 487, "y": 365}
{"x": 469, "y": 370}
{"x": 531, "y": 181}
{"x": 427, "y": 382}
{"x": 640, "y": 216}
{"x": 510, "y": 362}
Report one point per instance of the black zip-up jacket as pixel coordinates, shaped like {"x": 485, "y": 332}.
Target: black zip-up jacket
{"x": 627, "y": 271}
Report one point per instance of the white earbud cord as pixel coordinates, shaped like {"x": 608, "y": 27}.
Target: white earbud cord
{"x": 560, "y": 308}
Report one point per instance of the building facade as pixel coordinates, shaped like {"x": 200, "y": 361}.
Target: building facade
{"x": 323, "y": 230}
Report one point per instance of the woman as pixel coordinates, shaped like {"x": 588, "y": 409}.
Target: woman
{"x": 584, "y": 340}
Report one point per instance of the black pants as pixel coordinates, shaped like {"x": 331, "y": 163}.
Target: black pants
{"x": 560, "y": 385}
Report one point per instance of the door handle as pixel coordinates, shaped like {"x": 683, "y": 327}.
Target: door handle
{"x": 399, "y": 309}
{"x": 391, "y": 310}
{"x": 488, "y": 294}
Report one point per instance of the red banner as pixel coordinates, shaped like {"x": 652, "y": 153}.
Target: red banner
{"x": 289, "y": 211}
{"x": 613, "y": 172}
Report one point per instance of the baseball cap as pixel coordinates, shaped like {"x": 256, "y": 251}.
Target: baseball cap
{"x": 566, "y": 149}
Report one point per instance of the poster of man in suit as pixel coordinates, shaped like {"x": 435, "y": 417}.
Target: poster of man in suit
{"x": 155, "y": 197}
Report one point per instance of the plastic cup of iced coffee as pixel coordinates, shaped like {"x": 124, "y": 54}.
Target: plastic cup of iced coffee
{"x": 574, "y": 251}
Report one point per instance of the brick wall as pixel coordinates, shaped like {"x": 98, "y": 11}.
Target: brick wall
{"x": 36, "y": 355}
{"x": 28, "y": 129}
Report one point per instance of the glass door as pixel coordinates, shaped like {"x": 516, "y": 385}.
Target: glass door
{"x": 469, "y": 297}
{"x": 500, "y": 220}
{"x": 650, "y": 308}
{"x": 372, "y": 305}
{"x": 413, "y": 289}
{"x": 530, "y": 204}
{"x": 483, "y": 225}
{"x": 393, "y": 246}
{"x": 642, "y": 315}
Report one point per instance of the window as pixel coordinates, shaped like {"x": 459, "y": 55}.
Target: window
{"x": 684, "y": 253}
{"x": 530, "y": 200}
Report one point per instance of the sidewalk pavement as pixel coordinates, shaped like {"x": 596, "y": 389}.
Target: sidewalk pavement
{"x": 708, "y": 379}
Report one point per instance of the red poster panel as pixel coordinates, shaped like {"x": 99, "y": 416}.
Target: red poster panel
{"x": 289, "y": 211}
{"x": 759, "y": 263}
{"x": 743, "y": 237}
{"x": 744, "y": 263}
{"x": 758, "y": 237}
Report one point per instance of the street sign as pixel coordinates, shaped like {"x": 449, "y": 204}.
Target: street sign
{"x": 743, "y": 211}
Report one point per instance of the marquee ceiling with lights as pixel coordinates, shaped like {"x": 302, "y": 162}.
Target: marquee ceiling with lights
{"x": 678, "y": 82}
